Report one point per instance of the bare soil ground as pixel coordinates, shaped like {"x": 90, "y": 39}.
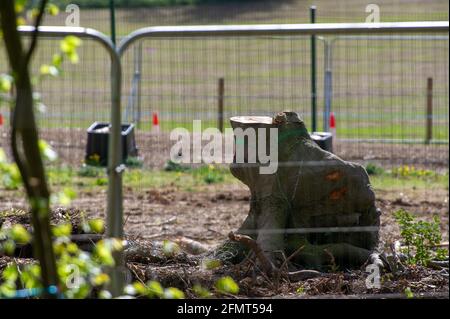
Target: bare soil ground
{"x": 154, "y": 149}
{"x": 209, "y": 214}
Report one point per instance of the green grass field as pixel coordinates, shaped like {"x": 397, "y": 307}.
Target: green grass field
{"x": 379, "y": 87}
{"x": 92, "y": 178}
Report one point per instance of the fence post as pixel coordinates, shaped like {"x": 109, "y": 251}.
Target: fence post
{"x": 328, "y": 85}
{"x": 220, "y": 98}
{"x": 312, "y": 12}
{"x": 138, "y": 72}
{"x": 429, "y": 120}
{"x": 113, "y": 21}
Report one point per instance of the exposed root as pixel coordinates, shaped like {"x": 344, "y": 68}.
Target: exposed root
{"x": 250, "y": 243}
{"x": 268, "y": 267}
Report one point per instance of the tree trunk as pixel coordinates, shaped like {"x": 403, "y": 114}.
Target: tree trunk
{"x": 24, "y": 142}
{"x": 314, "y": 199}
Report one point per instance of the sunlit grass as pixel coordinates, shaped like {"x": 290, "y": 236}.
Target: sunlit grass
{"x": 194, "y": 179}
{"x": 90, "y": 178}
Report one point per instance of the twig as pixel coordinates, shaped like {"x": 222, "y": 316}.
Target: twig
{"x": 443, "y": 244}
{"x": 438, "y": 264}
{"x": 397, "y": 262}
{"x": 268, "y": 267}
{"x": 295, "y": 253}
{"x": 126, "y": 220}
{"x": 333, "y": 265}
{"x": 154, "y": 236}
{"x": 303, "y": 274}
{"x": 131, "y": 267}
{"x": 250, "y": 243}
{"x": 164, "y": 222}
{"x": 225, "y": 294}
{"x": 35, "y": 33}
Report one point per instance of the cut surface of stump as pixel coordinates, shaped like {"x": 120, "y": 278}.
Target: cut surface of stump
{"x": 314, "y": 199}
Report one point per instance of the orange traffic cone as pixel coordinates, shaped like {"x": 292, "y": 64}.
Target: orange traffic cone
{"x": 155, "y": 122}
{"x": 333, "y": 125}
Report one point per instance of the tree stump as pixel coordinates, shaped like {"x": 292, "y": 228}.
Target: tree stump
{"x": 314, "y": 199}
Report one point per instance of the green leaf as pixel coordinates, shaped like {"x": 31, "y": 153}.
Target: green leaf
{"x": 72, "y": 248}
{"x": 57, "y": 60}
{"x": 155, "y": 289}
{"x": 47, "y": 152}
{"x": 96, "y": 225}
{"x": 211, "y": 263}
{"x": 173, "y": 293}
{"x": 8, "y": 290}
{"x": 21, "y": 21}
{"x": 19, "y": 5}
{"x": 82, "y": 292}
{"x": 201, "y": 292}
{"x": 31, "y": 276}
{"x": 418, "y": 236}
{"x": 65, "y": 197}
{"x": 73, "y": 41}
{"x": 51, "y": 70}
{"x": 409, "y": 294}
{"x": 104, "y": 294}
{"x": 105, "y": 256}
{"x": 20, "y": 235}
{"x": 116, "y": 244}
{"x": 63, "y": 230}
{"x": 103, "y": 251}
{"x": 5, "y": 83}
{"x": 69, "y": 44}
{"x": 70, "y": 192}
{"x": 10, "y": 273}
{"x": 73, "y": 57}
{"x": 227, "y": 285}
{"x": 300, "y": 290}
{"x": 101, "y": 181}
{"x": 170, "y": 248}
{"x": 3, "y": 158}
{"x": 33, "y": 13}
{"x": 52, "y": 9}
{"x": 8, "y": 247}
{"x": 139, "y": 288}
{"x": 100, "y": 279}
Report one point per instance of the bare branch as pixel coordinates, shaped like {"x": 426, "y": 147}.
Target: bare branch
{"x": 250, "y": 243}
{"x": 37, "y": 23}
{"x": 295, "y": 253}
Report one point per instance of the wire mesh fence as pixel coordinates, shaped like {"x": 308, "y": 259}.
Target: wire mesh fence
{"x": 379, "y": 89}
{"x": 180, "y": 80}
{"x": 265, "y": 75}
{"x": 387, "y": 82}
{"x": 380, "y": 97}
{"x": 75, "y": 99}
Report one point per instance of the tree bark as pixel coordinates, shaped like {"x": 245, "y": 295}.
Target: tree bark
{"x": 24, "y": 141}
{"x": 314, "y": 199}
